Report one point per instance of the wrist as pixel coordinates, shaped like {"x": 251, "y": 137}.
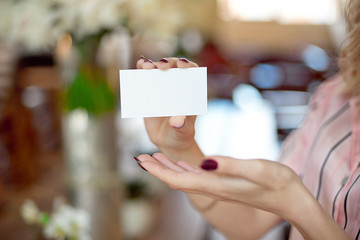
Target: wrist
{"x": 310, "y": 218}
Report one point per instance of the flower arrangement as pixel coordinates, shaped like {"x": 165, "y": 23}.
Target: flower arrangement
{"x": 65, "y": 223}
{"x": 162, "y": 18}
{"x": 37, "y": 24}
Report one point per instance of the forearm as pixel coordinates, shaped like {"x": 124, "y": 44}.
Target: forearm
{"x": 237, "y": 221}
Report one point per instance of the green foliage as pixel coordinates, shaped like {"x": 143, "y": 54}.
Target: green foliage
{"x": 90, "y": 91}
{"x": 44, "y": 218}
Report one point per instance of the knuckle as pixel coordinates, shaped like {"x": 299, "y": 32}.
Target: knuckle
{"x": 286, "y": 174}
{"x": 153, "y": 139}
{"x": 261, "y": 168}
{"x": 282, "y": 177}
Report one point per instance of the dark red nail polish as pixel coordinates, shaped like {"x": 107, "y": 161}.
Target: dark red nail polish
{"x": 184, "y": 60}
{"x": 148, "y": 60}
{"x": 209, "y": 165}
{"x": 164, "y": 60}
{"x": 139, "y": 162}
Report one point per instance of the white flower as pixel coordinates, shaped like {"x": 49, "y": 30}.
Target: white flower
{"x": 37, "y": 24}
{"x": 6, "y": 16}
{"x": 158, "y": 18}
{"x": 111, "y": 13}
{"x": 32, "y": 25}
{"x": 91, "y": 16}
{"x": 68, "y": 222}
{"x": 29, "y": 212}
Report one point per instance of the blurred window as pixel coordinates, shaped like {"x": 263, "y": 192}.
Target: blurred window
{"x": 282, "y": 11}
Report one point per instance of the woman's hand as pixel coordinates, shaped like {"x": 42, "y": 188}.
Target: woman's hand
{"x": 172, "y": 135}
{"x": 261, "y": 184}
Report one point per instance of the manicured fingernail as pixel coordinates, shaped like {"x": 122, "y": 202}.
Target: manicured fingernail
{"x": 142, "y": 57}
{"x": 184, "y": 60}
{"x": 209, "y": 165}
{"x": 164, "y": 60}
{"x": 148, "y": 60}
{"x": 139, "y": 162}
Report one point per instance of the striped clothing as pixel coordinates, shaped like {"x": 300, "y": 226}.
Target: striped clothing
{"x": 324, "y": 152}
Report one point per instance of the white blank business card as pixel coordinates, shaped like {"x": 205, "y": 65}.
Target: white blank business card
{"x": 158, "y": 93}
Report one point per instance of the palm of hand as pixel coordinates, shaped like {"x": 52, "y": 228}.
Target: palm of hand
{"x": 262, "y": 184}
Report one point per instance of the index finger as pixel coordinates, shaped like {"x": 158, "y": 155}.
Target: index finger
{"x": 188, "y": 180}
{"x": 140, "y": 62}
{"x": 145, "y": 63}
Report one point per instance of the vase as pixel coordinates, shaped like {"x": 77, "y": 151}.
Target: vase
{"x": 89, "y": 132}
{"x": 93, "y": 181}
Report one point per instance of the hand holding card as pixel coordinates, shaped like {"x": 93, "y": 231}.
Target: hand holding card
{"x": 158, "y": 93}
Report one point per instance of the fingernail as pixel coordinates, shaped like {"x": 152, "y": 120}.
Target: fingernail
{"x": 148, "y": 60}
{"x": 139, "y": 162}
{"x": 209, "y": 165}
{"x": 184, "y": 60}
{"x": 178, "y": 127}
{"x": 164, "y": 60}
{"x": 142, "y": 57}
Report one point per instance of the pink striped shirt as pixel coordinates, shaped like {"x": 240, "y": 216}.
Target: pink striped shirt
{"x": 324, "y": 152}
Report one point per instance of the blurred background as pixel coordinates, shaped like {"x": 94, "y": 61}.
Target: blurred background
{"x": 66, "y": 156}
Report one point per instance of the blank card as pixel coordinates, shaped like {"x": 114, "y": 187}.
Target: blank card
{"x": 158, "y": 93}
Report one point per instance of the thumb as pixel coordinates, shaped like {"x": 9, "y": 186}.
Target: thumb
{"x": 251, "y": 169}
{"x": 177, "y": 121}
